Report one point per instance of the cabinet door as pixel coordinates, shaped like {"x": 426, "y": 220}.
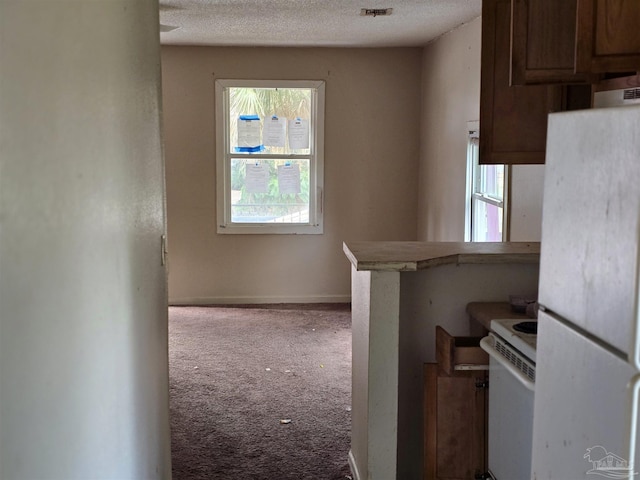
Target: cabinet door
{"x": 543, "y": 34}
{"x": 455, "y": 424}
{"x": 608, "y": 36}
{"x": 513, "y": 120}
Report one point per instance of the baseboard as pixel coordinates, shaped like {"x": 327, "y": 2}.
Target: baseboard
{"x": 353, "y": 467}
{"x": 250, "y": 300}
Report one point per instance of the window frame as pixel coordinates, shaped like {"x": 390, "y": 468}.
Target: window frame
{"x": 474, "y": 192}
{"x": 224, "y": 156}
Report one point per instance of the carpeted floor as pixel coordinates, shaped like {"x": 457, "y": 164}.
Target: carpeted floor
{"x": 260, "y": 393}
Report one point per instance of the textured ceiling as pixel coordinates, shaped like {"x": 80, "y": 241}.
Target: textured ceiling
{"x": 318, "y": 23}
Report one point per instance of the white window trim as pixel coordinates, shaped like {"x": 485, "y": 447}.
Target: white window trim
{"x": 223, "y": 171}
{"x": 473, "y": 174}
{"x": 472, "y": 136}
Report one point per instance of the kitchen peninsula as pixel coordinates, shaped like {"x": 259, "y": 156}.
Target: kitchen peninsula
{"x": 400, "y": 292}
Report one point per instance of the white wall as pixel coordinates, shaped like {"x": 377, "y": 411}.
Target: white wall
{"x": 526, "y": 185}
{"x": 371, "y": 159}
{"x": 451, "y": 98}
{"x": 83, "y": 322}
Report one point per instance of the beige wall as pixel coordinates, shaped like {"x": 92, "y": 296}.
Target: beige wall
{"x": 451, "y": 98}
{"x": 371, "y": 159}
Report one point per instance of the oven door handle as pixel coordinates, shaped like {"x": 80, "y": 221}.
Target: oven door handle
{"x": 487, "y": 345}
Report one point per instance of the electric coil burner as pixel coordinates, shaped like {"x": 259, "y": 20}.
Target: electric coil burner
{"x": 526, "y": 327}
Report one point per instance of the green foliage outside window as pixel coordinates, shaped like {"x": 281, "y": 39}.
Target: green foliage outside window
{"x": 272, "y": 204}
{"x": 286, "y": 103}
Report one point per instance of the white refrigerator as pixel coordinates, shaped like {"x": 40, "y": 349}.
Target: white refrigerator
{"x": 587, "y": 366}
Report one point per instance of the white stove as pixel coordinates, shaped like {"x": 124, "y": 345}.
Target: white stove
{"x": 511, "y": 346}
{"x": 519, "y": 333}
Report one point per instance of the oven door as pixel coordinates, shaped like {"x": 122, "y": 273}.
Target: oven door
{"x": 510, "y": 410}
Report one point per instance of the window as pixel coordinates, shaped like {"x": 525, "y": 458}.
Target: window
{"x": 486, "y": 188}
{"x": 270, "y": 144}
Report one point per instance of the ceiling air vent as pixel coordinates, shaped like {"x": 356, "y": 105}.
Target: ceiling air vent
{"x": 376, "y": 12}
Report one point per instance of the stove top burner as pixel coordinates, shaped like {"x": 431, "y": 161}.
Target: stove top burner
{"x": 526, "y": 327}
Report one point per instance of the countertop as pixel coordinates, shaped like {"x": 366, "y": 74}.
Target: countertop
{"x": 484, "y": 312}
{"x": 414, "y": 256}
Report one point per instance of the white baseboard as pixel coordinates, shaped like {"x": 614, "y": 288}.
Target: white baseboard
{"x": 251, "y": 300}
{"x": 353, "y": 467}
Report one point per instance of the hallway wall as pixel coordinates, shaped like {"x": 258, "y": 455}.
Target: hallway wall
{"x": 83, "y": 321}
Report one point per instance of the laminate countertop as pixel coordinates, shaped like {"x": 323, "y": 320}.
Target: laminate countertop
{"x": 415, "y": 256}
{"x": 484, "y": 312}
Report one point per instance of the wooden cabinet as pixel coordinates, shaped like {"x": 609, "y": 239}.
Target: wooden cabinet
{"x": 542, "y": 56}
{"x": 455, "y": 411}
{"x": 513, "y": 120}
{"x": 572, "y": 41}
{"x": 543, "y": 40}
{"x": 608, "y": 36}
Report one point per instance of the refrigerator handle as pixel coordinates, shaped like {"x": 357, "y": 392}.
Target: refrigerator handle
{"x": 633, "y": 435}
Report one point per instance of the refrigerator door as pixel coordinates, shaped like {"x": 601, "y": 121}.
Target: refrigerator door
{"x": 591, "y": 221}
{"x": 582, "y": 407}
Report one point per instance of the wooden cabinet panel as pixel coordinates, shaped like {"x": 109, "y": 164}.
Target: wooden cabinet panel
{"x": 577, "y": 97}
{"x": 543, "y": 35}
{"x": 608, "y": 36}
{"x": 455, "y": 409}
{"x": 455, "y": 424}
{"x": 513, "y": 120}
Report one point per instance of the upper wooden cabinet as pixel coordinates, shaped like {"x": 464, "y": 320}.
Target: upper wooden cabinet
{"x": 513, "y": 120}
{"x": 608, "y": 36}
{"x": 571, "y": 41}
{"x": 543, "y": 39}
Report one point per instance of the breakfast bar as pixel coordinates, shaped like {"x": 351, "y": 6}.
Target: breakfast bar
{"x": 400, "y": 292}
